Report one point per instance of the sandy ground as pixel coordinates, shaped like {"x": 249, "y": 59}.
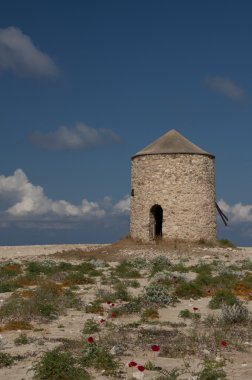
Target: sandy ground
{"x": 26, "y": 251}
{"x": 73, "y": 321}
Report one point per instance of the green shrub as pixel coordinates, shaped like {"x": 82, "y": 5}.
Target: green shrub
{"x": 150, "y": 313}
{"x": 235, "y": 313}
{"x": 88, "y": 267}
{"x": 98, "y": 357}
{"x": 226, "y": 243}
{"x": 188, "y": 290}
{"x": 65, "y": 267}
{"x": 222, "y": 297}
{"x": 164, "y": 277}
{"x": 180, "y": 267}
{"x": 172, "y": 374}
{"x": 134, "y": 306}
{"x": 121, "y": 292}
{"x": 126, "y": 269}
{"x": 58, "y": 365}
{"x": 6, "y": 360}
{"x": 140, "y": 263}
{"x": 6, "y": 287}
{"x": 159, "y": 264}
{"x": 134, "y": 284}
{"x": 202, "y": 268}
{"x": 95, "y": 307}
{"x": 91, "y": 327}
{"x": 157, "y": 294}
{"x": 187, "y": 314}
{"x": 77, "y": 278}
{"x": 46, "y": 302}
{"x": 212, "y": 370}
{"x": 10, "y": 270}
{"x": 22, "y": 339}
{"x": 246, "y": 264}
{"x": 37, "y": 267}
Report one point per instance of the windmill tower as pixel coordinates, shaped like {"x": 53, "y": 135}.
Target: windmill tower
{"x": 172, "y": 191}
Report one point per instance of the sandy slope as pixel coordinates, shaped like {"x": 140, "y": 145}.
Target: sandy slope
{"x": 13, "y": 252}
{"x": 73, "y": 320}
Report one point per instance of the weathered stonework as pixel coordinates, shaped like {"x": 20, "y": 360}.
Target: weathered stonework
{"x": 183, "y": 185}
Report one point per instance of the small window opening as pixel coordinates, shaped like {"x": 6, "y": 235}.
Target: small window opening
{"x": 132, "y": 193}
{"x": 156, "y": 222}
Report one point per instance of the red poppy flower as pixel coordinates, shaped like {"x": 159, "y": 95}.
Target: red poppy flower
{"x": 155, "y": 347}
{"x": 90, "y": 339}
{"x": 132, "y": 364}
{"x": 140, "y": 368}
{"x": 108, "y": 302}
{"x": 112, "y": 305}
{"x": 102, "y": 320}
{"x": 224, "y": 343}
{"x": 113, "y": 315}
{"x": 195, "y": 308}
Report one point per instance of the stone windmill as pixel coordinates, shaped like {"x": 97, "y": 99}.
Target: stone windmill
{"x": 172, "y": 191}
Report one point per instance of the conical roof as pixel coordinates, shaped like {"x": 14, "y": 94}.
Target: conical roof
{"x": 170, "y": 143}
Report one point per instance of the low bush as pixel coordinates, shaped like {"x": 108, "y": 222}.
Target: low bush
{"x": 121, "y": 292}
{"x": 159, "y": 264}
{"x": 222, "y": 297}
{"x": 187, "y": 314}
{"x": 58, "y": 365}
{"x": 98, "y": 357}
{"x": 77, "y": 278}
{"x": 95, "y": 307}
{"x": 188, "y": 290}
{"x": 6, "y": 360}
{"x": 149, "y": 313}
{"x": 157, "y": 294}
{"x": 226, "y": 243}
{"x": 37, "y": 267}
{"x": 91, "y": 327}
{"x": 45, "y": 302}
{"x": 235, "y": 313}
{"x": 10, "y": 270}
{"x": 126, "y": 269}
{"x": 212, "y": 370}
{"x": 22, "y": 339}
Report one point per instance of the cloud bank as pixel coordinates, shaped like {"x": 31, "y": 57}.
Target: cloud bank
{"x": 27, "y": 203}
{"x": 19, "y": 54}
{"x": 79, "y": 137}
{"x": 226, "y": 87}
{"x": 238, "y": 213}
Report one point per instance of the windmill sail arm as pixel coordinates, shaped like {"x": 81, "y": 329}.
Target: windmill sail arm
{"x": 222, "y": 215}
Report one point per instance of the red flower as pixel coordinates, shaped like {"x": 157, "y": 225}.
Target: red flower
{"x": 108, "y": 302}
{"x": 112, "y": 305}
{"x": 140, "y": 368}
{"x": 132, "y": 364}
{"x": 155, "y": 347}
{"x": 102, "y": 320}
{"x": 224, "y": 343}
{"x": 113, "y": 315}
{"x": 195, "y": 308}
{"x": 90, "y": 339}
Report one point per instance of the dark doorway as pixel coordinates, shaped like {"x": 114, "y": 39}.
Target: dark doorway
{"x": 156, "y": 221}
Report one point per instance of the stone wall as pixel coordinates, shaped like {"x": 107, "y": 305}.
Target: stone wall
{"x": 183, "y": 185}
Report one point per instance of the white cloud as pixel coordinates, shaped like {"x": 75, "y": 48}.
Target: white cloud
{"x": 123, "y": 206}
{"x": 226, "y": 86}
{"x": 19, "y": 54}
{"x": 30, "y": 201}
{"x": 26, "y": 206}
{"x": 79, "y": 137}
{"x": 238, "y": 213}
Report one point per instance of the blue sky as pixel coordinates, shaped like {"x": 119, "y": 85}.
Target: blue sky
{"x": 86, "y": 84}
